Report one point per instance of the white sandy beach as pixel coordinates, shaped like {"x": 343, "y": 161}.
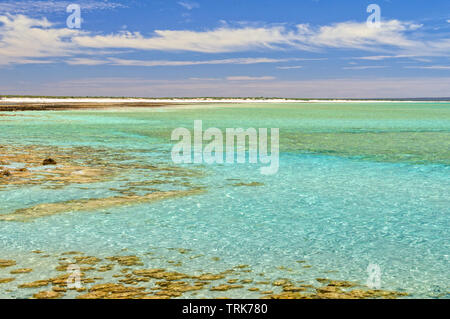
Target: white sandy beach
{"x": 20, "y": 100}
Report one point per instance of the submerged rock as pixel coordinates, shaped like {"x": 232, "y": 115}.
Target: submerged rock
{"x": 6, "y": 263}
{"x": 47, "y": 209}
{"x": 21, "y": 271}
{"x": 281, "y": 282}
{"x": 87, "y": 260}
{"x": 6, "y": 280}
{"x": 126, "y": 260}
{"x": 248, "y": 184}
{"x": 35, "y": 284}
{"x": 5, "y": 173}
{"x": 49, "y": 161}
{"x": 113, "y": 291}
{"x": 210, "y": 277}
{"x": 59, "y": 289}
{"x": 147, "y": 272}
{"x": 47, "y": 295}
{"x": 226, "y": 287}
{"x": 293, "y": 289}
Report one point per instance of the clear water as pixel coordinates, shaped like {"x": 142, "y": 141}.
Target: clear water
{"x": 357, "y": 184}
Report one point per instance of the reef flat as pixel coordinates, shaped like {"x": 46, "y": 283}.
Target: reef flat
{"x": 129, "y": 277}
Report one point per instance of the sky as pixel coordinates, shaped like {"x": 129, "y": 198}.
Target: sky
{"x": 226, "y": 48}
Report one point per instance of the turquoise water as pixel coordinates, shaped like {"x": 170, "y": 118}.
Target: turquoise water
{"x": 358, "y": 184}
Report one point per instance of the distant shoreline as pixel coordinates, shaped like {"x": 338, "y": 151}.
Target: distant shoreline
{"x": 67, "y": 103}
{"x": 61, "y": 106}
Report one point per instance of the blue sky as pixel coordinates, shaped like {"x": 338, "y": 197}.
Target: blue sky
{"x": 291, "y": 48}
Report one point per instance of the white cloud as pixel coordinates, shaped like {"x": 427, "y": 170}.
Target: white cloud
{"x": 250, "y": 78}
{"x": 415, "y": 57}
{"x": 392, "y": 37}
{"x": 205, "y": 79}
{"x": 289, "y": 67}
{"x": 359, "y": 35}
{"x": 85, "y": 61}
{"x": 152, "y": 63}
{"x": 213, "y": 41}
{"x": 228, "y": 39}
{"x": 188, "y": 5}
{"x": 364, "y": 67}
{"x": 429, "y": 67}
{"x": 25, "y": 40}
{"x": 383, "y": 57}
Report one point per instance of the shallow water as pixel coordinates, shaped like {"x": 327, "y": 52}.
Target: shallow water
{"x": 358, "y": 184}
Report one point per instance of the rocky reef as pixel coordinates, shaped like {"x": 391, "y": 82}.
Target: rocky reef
{"x": 129, "y": 277}
{"x": 30, "y": 165}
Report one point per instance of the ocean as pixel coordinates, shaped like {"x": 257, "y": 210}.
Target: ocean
{"x": 358, "y": 184}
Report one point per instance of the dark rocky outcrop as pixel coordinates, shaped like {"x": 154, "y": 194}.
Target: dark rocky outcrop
{"x": 5, "y": 173}
{"x": 49, "y": 161}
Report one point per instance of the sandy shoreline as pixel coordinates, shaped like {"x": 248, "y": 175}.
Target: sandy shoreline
{"x": 42, "y": 104}
{"x": 60, "y": 106}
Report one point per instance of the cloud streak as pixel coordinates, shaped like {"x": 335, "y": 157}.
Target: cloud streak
{"x": 429, "y": 67}
{"x": 250, "y": 78}
{"x": 393, "y": 36}
{"x": 364, "y": 67}
{"x": 289, "y": 67}
{"x": 28, "y": 40}
{"x": 188, "y": 5}
{"x": 155, "y": 63}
